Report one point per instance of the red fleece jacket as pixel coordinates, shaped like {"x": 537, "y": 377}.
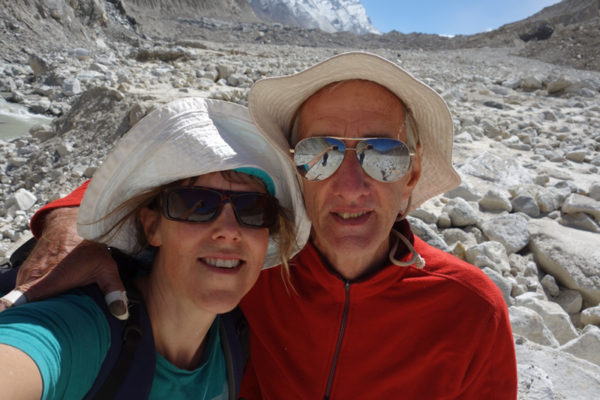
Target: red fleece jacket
{"x": 442, "y": 332}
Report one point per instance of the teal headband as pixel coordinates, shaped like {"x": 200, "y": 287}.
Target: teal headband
{"x": 260, "y": 174}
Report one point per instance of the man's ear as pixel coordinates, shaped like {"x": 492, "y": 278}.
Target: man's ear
{"x": 150, "y": 220}
{"x": 415, "y": 169}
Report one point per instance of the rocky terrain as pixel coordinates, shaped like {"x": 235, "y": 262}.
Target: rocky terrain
{"x": 527, "y": 144}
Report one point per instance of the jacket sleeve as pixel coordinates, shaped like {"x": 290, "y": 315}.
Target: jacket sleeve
{"x": 73, "y": 199}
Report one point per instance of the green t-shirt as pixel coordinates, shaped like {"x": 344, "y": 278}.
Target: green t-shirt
{"x": 68, "y": 338}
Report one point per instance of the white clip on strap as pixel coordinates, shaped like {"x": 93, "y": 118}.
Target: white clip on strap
{"x": 14, "y": 298}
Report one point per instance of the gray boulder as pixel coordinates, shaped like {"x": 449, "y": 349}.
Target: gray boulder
{"x": 586, "y": 346}
{"x": 570, "y": 255}
{"x": 549, "y": 374}
{"x": 510, "y": 230}
{"x": 555, "y": 318}
{"x": 529, "y": 324}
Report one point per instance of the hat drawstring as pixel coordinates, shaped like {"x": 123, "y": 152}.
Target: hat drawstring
{"x": 416, "y": 258}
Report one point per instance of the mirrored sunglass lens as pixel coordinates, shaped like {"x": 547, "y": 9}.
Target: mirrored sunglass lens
{"x": 254, "y": 209}
{"x": 385, "y": 160}
{"x": 193, "y": 205}
{"x": 318, "y": 158}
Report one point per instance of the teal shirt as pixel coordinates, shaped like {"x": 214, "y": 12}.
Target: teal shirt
{"x": 68, "y": 338}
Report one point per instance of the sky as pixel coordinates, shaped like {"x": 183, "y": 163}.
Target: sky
{"x": 449, "y": 17}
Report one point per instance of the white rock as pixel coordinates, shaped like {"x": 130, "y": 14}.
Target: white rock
{"x": 460, "y": 212}
{"x": 549, "y": 284}
{"x": 549, "y": 374}
{"x": 510, "y": 230}
{"x": 465, "y": 191}
{"x": 576, "y": 203}
{"x": 586, "y": 346}
{"x": 552, "y": 198}
{"x": 501, "y": 170}
{"x": 71, "y": 86}
{"x": 444, "y": 221}
{"x": 454, "y": 235}
{"x": 529, "y": 324}
{"x": 570, "y": 300}
{"x": 579, "y": 221}
{"x": 427, "y": 233}
{"x": 489, "y": 254}
{"x": 591, "y": 316}
{"x": 534, "y": 383}
{"x": 531, "y": 83}
{"x": 576, "y": 155}
{"x": 24, "y": 199}
{"x": 501, "y": 282}
{"x": 555, "y": 318}
{"x": 594, "y": 192}
{"x": 496, "y": 200}
{"x": 570, "y": 255}
{"x": 424, "y": 215}
{"x": 558, "y": 85}
{"x": 526, "y": 204}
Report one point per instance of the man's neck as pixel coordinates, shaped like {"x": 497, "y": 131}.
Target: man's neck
{"x": 351, "y": 266}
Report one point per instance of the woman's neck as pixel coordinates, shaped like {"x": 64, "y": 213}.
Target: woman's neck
{"x": 180, "y": 329}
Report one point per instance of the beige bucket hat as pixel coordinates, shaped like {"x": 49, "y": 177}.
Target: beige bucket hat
{"x": 273, "y": 103}
{"x": 184, "y": 138}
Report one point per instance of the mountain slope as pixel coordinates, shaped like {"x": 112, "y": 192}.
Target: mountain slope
{"x": 327, "y": 15}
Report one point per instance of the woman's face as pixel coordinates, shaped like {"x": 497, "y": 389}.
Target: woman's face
{"x": 213, "y": 264}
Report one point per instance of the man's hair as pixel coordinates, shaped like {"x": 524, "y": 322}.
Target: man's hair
{"x": 412, "y": 135}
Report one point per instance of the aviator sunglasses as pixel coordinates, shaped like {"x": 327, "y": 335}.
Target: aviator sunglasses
{"x": 383, "y": 159}
{"x": 200, "y": 204}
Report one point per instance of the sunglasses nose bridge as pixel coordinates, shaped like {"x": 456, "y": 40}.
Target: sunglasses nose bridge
{"x": 227, "y": 222}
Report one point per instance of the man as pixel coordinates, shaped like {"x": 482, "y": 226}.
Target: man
{"x": 374, "y": 312}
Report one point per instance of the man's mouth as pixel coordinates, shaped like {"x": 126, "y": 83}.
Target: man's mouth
{"x": 222, "y": 263}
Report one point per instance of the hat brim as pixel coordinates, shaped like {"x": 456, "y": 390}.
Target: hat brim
{"x": 273, "y": 102}
{"x": 185, "y": 138}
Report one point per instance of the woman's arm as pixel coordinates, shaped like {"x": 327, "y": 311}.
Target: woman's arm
{"x": 63, "y": 340}
{"x": 20, "y": 378}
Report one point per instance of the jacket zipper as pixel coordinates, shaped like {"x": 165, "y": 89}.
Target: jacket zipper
{"x": 339, "y": 342}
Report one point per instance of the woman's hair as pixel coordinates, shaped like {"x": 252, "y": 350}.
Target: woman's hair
{"x": 283, "y": 232}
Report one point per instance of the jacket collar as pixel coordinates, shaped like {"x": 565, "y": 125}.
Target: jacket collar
{"x": 311, "y": 262}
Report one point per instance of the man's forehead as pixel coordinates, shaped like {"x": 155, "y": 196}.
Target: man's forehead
{"x": 354, "y": 83}
{"x": 362, "y": 96}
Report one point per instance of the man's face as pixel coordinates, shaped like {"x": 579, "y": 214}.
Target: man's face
{"x": 352, "y": 214}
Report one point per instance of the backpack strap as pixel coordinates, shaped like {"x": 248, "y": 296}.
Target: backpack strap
{"x": 235, "y": 340}
{"x": 128, "y": 368}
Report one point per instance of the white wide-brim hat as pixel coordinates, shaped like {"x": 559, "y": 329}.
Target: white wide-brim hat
{"x": 273, "y": 102}
{"x": 185, "y": 138}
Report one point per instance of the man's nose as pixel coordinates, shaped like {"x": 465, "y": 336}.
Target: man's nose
{"x": 226, "y": 226}
{"x": 350, "y": 181}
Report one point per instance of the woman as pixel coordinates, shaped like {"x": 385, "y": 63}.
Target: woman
{"x": 196, "y": 182}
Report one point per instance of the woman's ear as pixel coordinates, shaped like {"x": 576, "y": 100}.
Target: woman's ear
{"x": 150, "y": 220}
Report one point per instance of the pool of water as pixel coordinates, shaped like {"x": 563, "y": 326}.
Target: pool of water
{"x": 16, "y": 120}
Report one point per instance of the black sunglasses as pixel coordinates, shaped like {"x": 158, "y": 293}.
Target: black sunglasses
{"x": 200, "y": 204}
